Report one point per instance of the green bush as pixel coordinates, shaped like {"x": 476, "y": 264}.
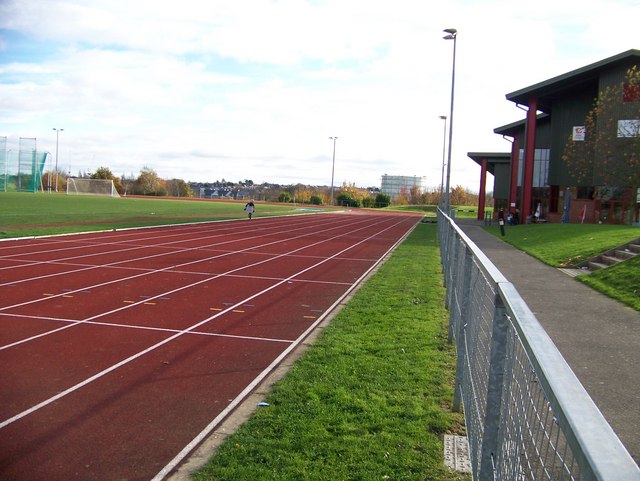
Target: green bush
{"x": 382, "y": 200}
{"x": 284, "y": 197}
{"x": 346, "y": 200}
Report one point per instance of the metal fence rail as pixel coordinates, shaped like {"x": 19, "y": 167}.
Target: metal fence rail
{"x": 527, "y": 415}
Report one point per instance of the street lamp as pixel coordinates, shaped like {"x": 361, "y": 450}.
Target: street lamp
{"x": 57, "y": 140}
{"x": 444, "y": 150}
{"x": 333, "y": 166}
{"x": 452, "y": 35}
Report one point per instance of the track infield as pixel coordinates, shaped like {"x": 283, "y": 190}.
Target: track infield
{"x": 120, "y": 349}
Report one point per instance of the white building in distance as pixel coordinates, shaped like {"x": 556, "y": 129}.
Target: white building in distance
{"x": 395, "y": 185}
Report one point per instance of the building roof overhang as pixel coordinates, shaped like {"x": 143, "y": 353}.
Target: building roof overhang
{"x": 514, "y": 128}
{"x": 557, "y": 87}
{"x": 492, "y": 158}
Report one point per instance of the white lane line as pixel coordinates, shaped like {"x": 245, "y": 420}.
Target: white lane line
{"x": 180, "y": 231}
{"x": 116, "y": 264}
{"x": 170, "y": 268}
{"x": 145, "y": 328}
{"x": 166, "y": 293}
{"x": 64, "y": 261}
{"x": 130, "y": 245}
{"x": 133, "y": 304}
{"x": 183, "y": 236}
{"x": 155, "y": 346}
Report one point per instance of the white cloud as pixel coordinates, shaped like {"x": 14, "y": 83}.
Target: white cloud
{"x": 253, "y": 89}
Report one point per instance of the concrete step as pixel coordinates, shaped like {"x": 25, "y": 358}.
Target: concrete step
{"x": 610, "y": 260}
{"x": 573, "y": 272}
{"x": 594, "y": 266}
{"x": 625, "y": 254}
{"x": 611, "y": 257}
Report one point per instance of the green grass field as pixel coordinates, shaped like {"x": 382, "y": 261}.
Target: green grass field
{"x": 27, "y": 214}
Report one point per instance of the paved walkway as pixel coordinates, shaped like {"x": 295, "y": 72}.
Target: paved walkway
{"x": 598, "y": 337}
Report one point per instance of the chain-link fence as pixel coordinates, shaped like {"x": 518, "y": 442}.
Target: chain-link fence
{"x": 527, "y": 415}
{"x": 21, "y": 170}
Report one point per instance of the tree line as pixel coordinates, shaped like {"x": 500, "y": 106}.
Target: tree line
{"x": 149, "y": 183}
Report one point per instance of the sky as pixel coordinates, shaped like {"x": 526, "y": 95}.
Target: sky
{"x": 254, "y": 89}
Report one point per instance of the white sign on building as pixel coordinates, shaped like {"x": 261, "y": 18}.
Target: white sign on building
{"x": 579, "y": 132}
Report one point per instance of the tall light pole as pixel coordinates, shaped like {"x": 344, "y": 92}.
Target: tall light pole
{"x": 333, "y": 166}
{"x": 57, "y": 140}
{"x": 452, "y": 34}
{"x": 444, "y": 150}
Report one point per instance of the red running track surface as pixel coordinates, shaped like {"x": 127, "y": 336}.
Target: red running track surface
{"x": 121, "y": 350}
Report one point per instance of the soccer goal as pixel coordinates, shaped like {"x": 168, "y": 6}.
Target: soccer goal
{"x": 77, "y": 186}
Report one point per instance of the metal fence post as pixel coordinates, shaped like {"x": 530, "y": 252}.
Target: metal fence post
{"x": 449, "y": 262}
{"x": 463, "y": 293}
{"x": 452, "y": 288}
{"x": 490, "y": 438}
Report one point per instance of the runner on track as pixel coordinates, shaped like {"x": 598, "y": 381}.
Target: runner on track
{"x": 250, "y": 208}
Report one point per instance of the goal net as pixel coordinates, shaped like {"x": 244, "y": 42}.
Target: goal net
{"x": 91, "y": 187}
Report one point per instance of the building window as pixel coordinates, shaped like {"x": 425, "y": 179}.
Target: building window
{"x": 628, "y": 128}
{"x": 585, "y": 192}
{"x": 540, "y": 167}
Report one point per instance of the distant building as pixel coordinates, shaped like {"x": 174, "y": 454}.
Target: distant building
{"x": 396, "y": 185}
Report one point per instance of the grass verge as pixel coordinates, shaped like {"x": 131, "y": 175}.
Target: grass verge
{"x": 371, "y": 398}
{"x": 564, "y": 245}
{"x": 621, "y": 282}
{"x": 467, "y": 212}
{"x": 558, "y": 245}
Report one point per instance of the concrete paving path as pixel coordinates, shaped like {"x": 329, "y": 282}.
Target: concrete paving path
{"x": 598, "y": 337}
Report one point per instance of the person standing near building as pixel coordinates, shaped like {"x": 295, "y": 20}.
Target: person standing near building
{"x": 250, "y": 208}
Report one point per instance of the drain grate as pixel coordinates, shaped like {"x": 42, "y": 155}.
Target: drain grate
{"x": 456, "y": 453}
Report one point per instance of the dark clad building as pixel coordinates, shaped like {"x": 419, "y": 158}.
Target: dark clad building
{"x": 534, "y": 177}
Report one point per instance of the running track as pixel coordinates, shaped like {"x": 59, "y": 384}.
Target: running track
{"x": 120, "y": 351}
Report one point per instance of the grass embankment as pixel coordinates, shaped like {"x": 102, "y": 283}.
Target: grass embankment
{"x": 28, "y": 214}
{"x": 467, "y": 212}
{"x": 621, "y": 282}
{"x": 371, "y": 398}
{"x": 565, "y": 245}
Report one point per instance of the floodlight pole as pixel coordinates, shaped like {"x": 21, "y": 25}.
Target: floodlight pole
{"x": 452, "y": 35}
{"x": 333, "y": 166}
{"x": 57, "y": 141}
{"x": 444, "y": 151}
